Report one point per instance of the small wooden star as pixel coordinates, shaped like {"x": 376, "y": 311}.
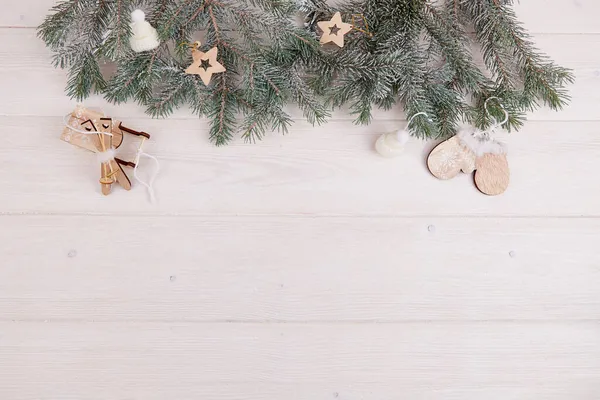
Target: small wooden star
{"x": 205, "y": 64}
{"x": 334, "y": 30}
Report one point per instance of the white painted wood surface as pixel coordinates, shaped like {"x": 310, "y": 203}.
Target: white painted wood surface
{"x": 303, "y": 267}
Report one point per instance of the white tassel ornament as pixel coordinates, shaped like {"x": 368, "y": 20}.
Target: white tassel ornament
{"x": 144, "y": 36}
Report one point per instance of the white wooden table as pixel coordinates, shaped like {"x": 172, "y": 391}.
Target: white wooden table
{"x": 303, "y": 267}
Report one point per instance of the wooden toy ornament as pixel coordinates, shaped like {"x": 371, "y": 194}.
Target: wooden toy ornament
{"x": 334, "y": 30}
{"x": 114, "y": 171}
{"x": 81, "y": 119}
{"x": 102, "y": 135}
{"x": 205, "y": 64}
{"x": 473, "y": 151}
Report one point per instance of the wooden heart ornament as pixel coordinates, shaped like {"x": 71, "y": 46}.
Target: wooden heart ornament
{"x": 467, "y": 153}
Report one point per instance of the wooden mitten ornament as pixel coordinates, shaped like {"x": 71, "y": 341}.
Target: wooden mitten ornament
{"x": 492, "y": 174}
{"x": 473, "y": 151}
{"x": 449, "y": 158}
{"x": 464, "y": 152}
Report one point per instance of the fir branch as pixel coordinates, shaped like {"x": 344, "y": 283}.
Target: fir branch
{"x": 452, "y": 46}
{"x": 524, "y": 74}
{"x": 169, "y": 98}
{"x": 166, "y": 28}
{"x": 85, "y": 78}
{"x": 161, "y": 9}
{"x": 222, "y": 114}
{"x": 214, "y": 24}
{"x": 196, "y": 13}
{"x": 256, "y": 125}
{"x": 134, "y": 78}
{"x": 119, "y": 12}
{"x": 419, "y": 56}
{"x": 55, "y": 30}
{"x": 113, "y": 47}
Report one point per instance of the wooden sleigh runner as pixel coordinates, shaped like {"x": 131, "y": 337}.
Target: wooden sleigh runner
{"x": 102, "y": 135}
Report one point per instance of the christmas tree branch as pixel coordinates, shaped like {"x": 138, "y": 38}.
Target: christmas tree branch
{"x": 413, "y": 52}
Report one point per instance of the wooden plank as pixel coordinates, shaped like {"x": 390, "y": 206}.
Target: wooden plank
{"x": 317, "y": 361}
{"x": 566, "y": 16}
{"x": 25, "y": 70}
{"x": 332, "y": 170}
{"x": 542, "y": 16}
{"x": 298, "y": 269}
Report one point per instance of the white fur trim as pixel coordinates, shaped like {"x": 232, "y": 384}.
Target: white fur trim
{"x": 106, "y": 156}
{"x": 479, "y": 145}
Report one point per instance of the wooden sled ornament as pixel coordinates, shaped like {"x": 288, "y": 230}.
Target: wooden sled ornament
{"x": 83, "y": 119}
{"x": 104, "y": 137}
{"x": 110, "y": 172}
{"x": 112, "y": 169}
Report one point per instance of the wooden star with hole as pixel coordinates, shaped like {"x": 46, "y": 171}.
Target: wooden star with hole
{"x": 205, "y": 65}
{"x": 334, "y": 30}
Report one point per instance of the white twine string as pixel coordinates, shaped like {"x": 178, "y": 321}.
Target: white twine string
{"x": 402, "y": 135}
{"x": 416, "y": 115}
{"x": 148, "y": 185}
{"x": 482, "y": 141}
{"x": 66, "y": 122}
{"x": 495, "y": 124}
{"x": 102, "y": 156}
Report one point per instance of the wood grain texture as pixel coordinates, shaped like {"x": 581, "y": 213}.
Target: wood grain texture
{"x": 564, "y": 16}
{"x": 331, "y": 170}
{"x": 450, "y": 158}
{"x": 144, "y": 360}
{"x": 298, "y": 269}
{"x": 492, "y": 175}
{"x": 305, "y": 267}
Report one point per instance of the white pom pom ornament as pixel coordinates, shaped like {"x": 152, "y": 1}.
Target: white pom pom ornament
{"x": 392, "y": 144}
{"x": 144, "y": 36}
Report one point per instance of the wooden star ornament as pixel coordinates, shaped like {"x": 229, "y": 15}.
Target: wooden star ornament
{"x": 205, "y": 64}
{"x": 334, "y": 30}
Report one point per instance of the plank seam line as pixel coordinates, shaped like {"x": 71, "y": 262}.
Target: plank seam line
{"x": 308, "y": 322}
{"x": 595, "y": 33}
{"x": 144, "y": 117}
{"x": 297, "y": 216}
